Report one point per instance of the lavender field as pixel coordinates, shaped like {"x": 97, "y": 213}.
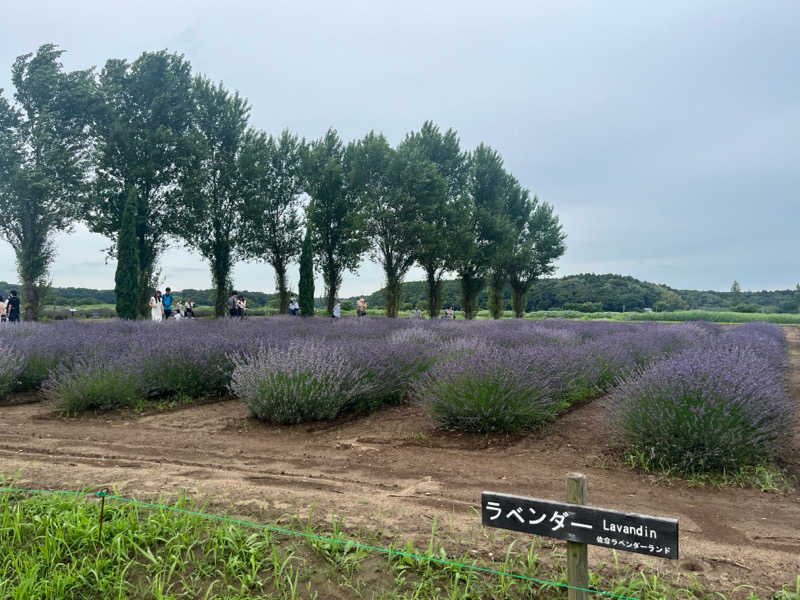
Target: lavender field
{"x": 690, "y": 396}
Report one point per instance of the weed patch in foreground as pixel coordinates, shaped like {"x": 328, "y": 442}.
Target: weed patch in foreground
{"x": 49, "y": 548}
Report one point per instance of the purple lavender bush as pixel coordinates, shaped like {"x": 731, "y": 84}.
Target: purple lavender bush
{"x": 305, "y": 382}
{"x": 11, "y": 365}
{"x": 709, "y": 408}
{"x": 189, "y": 361}
{"x": 489, "y": 391}
{"x": 93, "y": 384}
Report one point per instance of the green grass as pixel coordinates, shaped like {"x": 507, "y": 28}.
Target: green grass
{"x": 49, "y": 549}
{"x": 681, "y": 315}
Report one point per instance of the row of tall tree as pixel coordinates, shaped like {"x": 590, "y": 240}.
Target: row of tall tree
{"x": 145, "y": 152}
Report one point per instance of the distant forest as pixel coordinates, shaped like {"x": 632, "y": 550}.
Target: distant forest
{"x": 586, "y": 292}
{"x": 593, "y": 293}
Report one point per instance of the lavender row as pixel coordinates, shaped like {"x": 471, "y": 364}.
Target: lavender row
{"x": 714, "y": 407}
{"x": 290, "y": 369}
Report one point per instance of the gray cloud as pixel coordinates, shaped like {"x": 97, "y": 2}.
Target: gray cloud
{"x": 665, "y": 134}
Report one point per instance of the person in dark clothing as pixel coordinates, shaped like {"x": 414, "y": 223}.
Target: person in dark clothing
{"x": 13, "y": 306}
{"x": 188, "y": 308}
{"x": 232, "y": 308}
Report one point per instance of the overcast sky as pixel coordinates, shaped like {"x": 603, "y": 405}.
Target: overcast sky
{"x": 666, "y": 134}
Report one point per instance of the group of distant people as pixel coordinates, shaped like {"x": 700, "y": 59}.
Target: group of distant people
{"x": 237, "y": 306}
{"x": 9, "y": 308}
{"x": 361, "y": 308}
{"x": 163, "y": 307}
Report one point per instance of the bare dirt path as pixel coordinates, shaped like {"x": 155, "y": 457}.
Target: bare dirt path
{"x": 392, "y": 472}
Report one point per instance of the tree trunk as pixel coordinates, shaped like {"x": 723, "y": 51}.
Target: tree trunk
{"x": 33, "y": 257}
{"x": 330, "y": 274}
{"x": 471, "y": 286}
{"x": 220, "y": 277}
{"x": 280, "y": 282}
{"x": 434, "y": 293}
{"x": 30, "y": 299}
{"x": 519, "y": 297}
{"x": 496, "y": 282}
{"x": 393, "y": 292}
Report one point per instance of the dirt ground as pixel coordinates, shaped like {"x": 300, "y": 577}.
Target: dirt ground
{"x": 393, "y": 472}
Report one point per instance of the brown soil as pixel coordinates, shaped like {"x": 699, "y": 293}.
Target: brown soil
{"x": 392, "y": 472}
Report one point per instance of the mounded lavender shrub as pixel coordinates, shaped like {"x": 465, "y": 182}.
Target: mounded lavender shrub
{"x": 189, "y": 361}
{"x": 11, "y": 365}
{"x": 709, "y": 408}
{"x": 489, "y": 391}
{"x": 93, "y": 384}
{"x": 305, "y": 382}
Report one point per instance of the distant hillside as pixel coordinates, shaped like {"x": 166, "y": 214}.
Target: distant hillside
{"x": 587, "y": 292}
{"x": 609, "y": 292}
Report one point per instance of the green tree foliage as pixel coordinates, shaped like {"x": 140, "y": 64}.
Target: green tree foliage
{"x": 669, "y": 300}
{"x": 517, "y": 208}
{"x": 44, "y": 162}
{"x": 126, "y": 278}
{"x": 797, "y": 296}
{"x": 540, "y": 241}
{"x": 736, "y": 293}
{"x": 393, "y": 188}
{"x": 336, "y": 219}
{"x": 483, "y": 229}
{"x": 212, "y": 185}
{"x": 306, "y": 285}
{"x": 272, "y": 228}
{"x": 142, "y": 134}
{"x": 435, "y": 248}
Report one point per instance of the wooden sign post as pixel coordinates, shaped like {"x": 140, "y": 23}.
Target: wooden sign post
{"x": 581, "y": 525}
{"x": 577, "y": 552}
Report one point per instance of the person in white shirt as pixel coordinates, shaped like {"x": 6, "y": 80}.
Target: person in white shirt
{"x": 337, "y": 310}
{"x": 156, "y": 307}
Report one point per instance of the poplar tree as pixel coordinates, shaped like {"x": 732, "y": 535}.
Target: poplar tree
{"x": 536, "y": 249}
{"x": 142, "y": 137}
{"x": 797, "y": 296}
{"x": 438, "y": 214}
{"x": 272, "y": 225}
{"x": 126, "y": 278}
{"x": 212, "y": 198}
{"x": 394, "y": 186}
{"x": 335, "y": 217}
{"x": 483, "y": 229}
{"x": 736, "y": 294}
{"x": 44, "y": 163}
{"x": 306, "y": 285}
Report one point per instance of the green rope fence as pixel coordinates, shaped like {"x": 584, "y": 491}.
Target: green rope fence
{"x": 322, "y": 538}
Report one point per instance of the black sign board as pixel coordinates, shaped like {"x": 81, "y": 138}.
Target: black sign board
{"x": 654, "y": 536}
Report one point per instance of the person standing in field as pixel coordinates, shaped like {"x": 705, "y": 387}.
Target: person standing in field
{"x": 12, "y": 307}
{"x": 361, "y": 307}
{"x": 156, "y": 307}
{"x": 232, "y": 304}
{"x": 241, "y": 306}
{"x": 337, "y": 310}
{"x": 166, "y": 301}
{"x": 188, "y": 309}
